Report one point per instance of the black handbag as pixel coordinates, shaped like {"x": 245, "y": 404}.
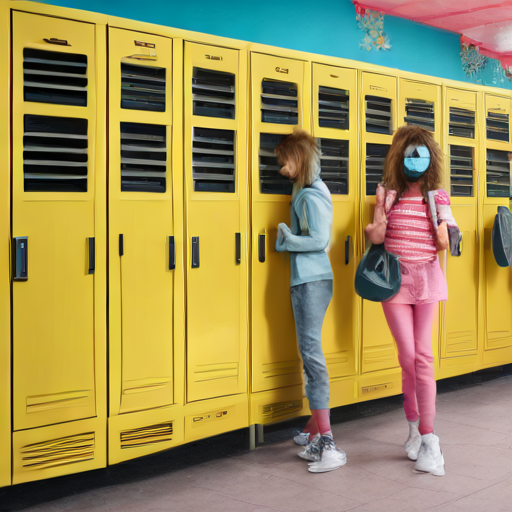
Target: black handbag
{"x": 502, "y": 237}
{"x": 378, "y": 276}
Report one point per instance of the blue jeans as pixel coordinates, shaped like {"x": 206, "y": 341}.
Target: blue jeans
{"x": 310, "y": 302}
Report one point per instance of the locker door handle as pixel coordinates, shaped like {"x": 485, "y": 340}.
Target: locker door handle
{"x": 92, "y": 255}
{"x": 54, "y": 40}
{"x": 143, "y": 56}
{"x": 121, "y": 245}
{"x": 20, "y": 263}
{"x": 238, "y": 248}
{"x": 172, "y": 254}
{"x": 347, "y": 250}
{"x": 195, "y": 252}
{"x": 261, "y": 248}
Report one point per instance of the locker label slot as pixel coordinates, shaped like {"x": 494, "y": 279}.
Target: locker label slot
{"x": 144, "y": 44}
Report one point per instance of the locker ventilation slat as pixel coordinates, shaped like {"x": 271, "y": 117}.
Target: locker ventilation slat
{"x": 213, "y": 160}
{"x": 461, "y": 171}
{"x": 498, "y": 173}
{"x": 58, "y": 452}
{"x": 420, "y": 113}
{"x": 55, "y": 77}
{"x": 271, "y": 181}
{"x": 145, "y": 436}
{"x": 333, "y": 108}
{"x": 334, "y": 165}
{"x": 375, "y": 158}
{"x": 213, "y": 93}
{"x": 279, "y": 102}
{"x": 143, "y": 157}
{"x": 378, "y": 115}
{"x": 497, "y": 126}
{"x": 142, "y": 88}
{"x": 54, "y": 154}
{"x": 462, "y": 123}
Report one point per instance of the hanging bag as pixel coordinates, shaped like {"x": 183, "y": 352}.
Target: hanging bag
{"x": 378, "y": 276}
{"x": 502, "y": 237}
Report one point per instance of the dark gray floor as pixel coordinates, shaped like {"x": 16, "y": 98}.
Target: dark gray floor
{"x": 474, "y": 424}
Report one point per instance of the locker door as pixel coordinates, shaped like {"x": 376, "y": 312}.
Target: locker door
{"x": 335, "y": 126}
{"x": 420, "y": 104}
{"x": 460, "y": 324}
{"x": 378, "y": 115}
{"x": 498, "y": 280}
{"x": 216, "y": 184}
{"x": 275, "y": 359}
{"x": 53, "y": 220}
{"x": 141, "y": 229}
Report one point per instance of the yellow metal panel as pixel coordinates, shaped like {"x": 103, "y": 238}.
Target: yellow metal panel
{"x": 5, "y": 235}
{"x": 340, "y": 329}
{"x": 145, "y": 432}
{"x": 459, "y": 98}
{"x": 53, "y": 316}
{"x": 217, "y": 288}
{"x": 275, "y": 358}
{"x": 57, "y": 450}
{"x": 373, "y": 385}
{"x": 141, "y": 282}
{"x": 277, "y": 405}
{"x": 498, "y": 105}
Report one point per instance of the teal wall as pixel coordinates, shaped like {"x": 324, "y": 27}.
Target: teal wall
{"x": 326, "y": 27}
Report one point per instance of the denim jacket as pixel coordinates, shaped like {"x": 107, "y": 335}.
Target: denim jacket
{"x": 306, "y": 241}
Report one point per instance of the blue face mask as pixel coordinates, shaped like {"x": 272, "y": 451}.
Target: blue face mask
{"x": 416, "y": 161}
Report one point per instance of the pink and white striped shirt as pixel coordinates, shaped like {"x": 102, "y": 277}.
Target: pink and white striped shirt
{"x": 409, "y": 233}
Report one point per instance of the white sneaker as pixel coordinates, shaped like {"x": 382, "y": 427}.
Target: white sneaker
{"x": 302, "y": 439}
{"x": 413, "y": 443}
{"x": 430, "y": 458}
{"x": 330, "y": 457}
{"x": 312, "y": 450}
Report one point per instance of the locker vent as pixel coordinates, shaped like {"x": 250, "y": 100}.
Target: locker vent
{"x": 213, "y": 160}
{"x": 143, "y": 157}
{"x": 55, "y": 77}
{"x": 271, "y": 181}
{"x": 279, "y": 102}
{"x": 461, "y": 171}
{"x": 420, "y": 113}
{"x": 462, "y": 123}
{"x": 333, "y": 108}
{"x": 58, "y": 452}
{"x": 142, "y": 88}
{"x": 497, "y": 126}
{"x": 498, "y": 173}
{"x": 378, "y": 115}
{"x": 213, "y": 93}
{"x": 375, "y": 158}
{"x": 280, "y": 409}
{"x": 146, "y": 436}
{"x": 334, "y": 165}
{"x": 54, "y": 154}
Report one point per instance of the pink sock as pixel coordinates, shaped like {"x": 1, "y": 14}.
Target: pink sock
{"x": 322, "y": 417}
{"x": 311, "y": 427}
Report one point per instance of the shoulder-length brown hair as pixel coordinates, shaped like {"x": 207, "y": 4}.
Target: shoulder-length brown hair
{"x": 301, "y": 147}
{"x": 394, "y": 176}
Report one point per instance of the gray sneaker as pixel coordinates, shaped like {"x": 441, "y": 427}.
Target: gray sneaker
{"x": 331, "y": 458}
{"x": 302, "y": 439}
{"x": 312, "y": 450}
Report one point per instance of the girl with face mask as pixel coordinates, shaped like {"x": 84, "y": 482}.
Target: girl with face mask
{"x": 402, "y": 221}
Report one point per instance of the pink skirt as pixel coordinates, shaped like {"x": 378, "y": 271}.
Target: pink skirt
{"x": 422, "y": 283}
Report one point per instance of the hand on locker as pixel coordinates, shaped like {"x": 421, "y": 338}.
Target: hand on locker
{"x": 376, "y": 231}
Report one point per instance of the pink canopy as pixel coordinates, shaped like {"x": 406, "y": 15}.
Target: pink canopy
{"x": 485, "y": 23}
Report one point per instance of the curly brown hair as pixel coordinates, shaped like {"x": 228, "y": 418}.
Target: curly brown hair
{"x": 394, "y": 177}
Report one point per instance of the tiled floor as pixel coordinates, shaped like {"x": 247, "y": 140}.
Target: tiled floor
{"x": 474, "y": 423}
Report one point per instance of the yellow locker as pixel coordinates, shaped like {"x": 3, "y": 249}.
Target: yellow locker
{"x": 279, "y": 102}
{"x": 5, "y": 216}
{"x": 334, "y": 105}
{"x": 378, "y": 121}
{"x": 459, "y": 330}
{"x": 495, "y": 187}
{"x": 142, "y": 252}
{"x": 58, "y": 339}
{"x": 216, "y": 224}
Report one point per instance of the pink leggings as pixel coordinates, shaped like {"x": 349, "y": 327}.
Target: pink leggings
{"x": 411, "y": 326}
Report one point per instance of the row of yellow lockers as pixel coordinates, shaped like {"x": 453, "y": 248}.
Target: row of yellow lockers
{"x": 145, "y": 167}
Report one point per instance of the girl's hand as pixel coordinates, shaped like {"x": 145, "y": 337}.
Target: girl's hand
{"x": 442, "y": 240}
{"x": 377, "y": 230}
